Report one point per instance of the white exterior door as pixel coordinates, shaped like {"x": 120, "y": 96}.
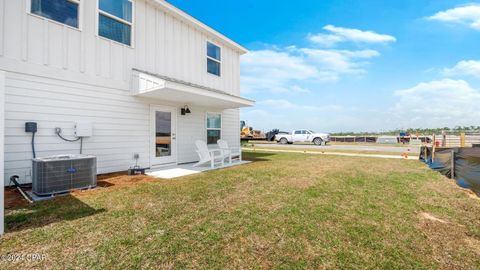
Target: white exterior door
{"x": 163, "y": 129}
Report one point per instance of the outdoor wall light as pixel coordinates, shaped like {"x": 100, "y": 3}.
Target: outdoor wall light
{"x": 185, "y": 110}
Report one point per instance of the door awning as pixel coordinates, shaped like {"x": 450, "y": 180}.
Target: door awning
{"x": 168, "y": 89}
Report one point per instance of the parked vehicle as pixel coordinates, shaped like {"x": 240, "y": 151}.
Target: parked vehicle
{"x": 273, "y": 133}
{"x": 303, "y": 135}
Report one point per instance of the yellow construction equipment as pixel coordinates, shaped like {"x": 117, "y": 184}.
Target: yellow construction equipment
{"x": 247, "y": 133}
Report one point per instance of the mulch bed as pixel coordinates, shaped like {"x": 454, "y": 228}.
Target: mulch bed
{"x": 13, "y": 198}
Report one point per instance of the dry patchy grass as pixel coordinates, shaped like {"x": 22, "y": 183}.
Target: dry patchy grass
{"x": 282, "y": 211}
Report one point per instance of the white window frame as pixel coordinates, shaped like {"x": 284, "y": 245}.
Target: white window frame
{"x": 28, "y": 7}
{"x": 131, "y": 24}
{"x": 207, "y": 128}
{"x": 213, "y": 59}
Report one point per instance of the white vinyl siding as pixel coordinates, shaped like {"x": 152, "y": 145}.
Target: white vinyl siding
{"x": 57, "y": 75}
{"x": 163, "y": 44}
{"x": 120, "y": 124}
{"x": 2, "y": 131}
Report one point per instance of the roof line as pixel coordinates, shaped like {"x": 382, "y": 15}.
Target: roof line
{"x": 170, "y": 79}
{"x": 182, "y": 14}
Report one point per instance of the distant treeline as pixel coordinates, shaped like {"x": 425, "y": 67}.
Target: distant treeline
{"x": 413, "y": 131}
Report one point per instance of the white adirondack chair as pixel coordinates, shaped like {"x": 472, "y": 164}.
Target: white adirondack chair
{"x": 229, "y": 152}
{"x": 212, "y": 156}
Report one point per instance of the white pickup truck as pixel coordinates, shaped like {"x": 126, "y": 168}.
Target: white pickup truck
{"x": 303, "y": 135}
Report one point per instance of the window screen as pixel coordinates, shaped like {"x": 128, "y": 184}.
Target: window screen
{"x": 114, "y": 30}
{"x": 62, "y": 11}
{"x": 214, "y": 127}
{"x": 118, "y": 8}
{"x": 214, "y": 57}
{"x": 115, "y": 20}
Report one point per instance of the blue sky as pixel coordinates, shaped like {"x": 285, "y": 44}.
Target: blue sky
{"x": 349, "y": 65}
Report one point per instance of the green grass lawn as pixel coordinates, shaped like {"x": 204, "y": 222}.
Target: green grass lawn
{"x": 284, "y": 211}
{"x": 325, "y": 150}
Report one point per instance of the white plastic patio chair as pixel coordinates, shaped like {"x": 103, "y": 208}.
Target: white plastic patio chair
{"x": 212, "y": 156}
{"x": 229, "y": 152}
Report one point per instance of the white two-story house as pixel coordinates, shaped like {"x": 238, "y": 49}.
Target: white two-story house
{"x": 144, "y": 78}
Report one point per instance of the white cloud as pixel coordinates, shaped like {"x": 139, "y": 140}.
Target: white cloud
{"x": 285, "y": 104}
{"x": 437, "y": 103}
{"x": 298, "y": 89}
{"x": 440, "y": 103}
{"x": 274, "y": 71}
{"x": 282, "y": 70}
{"x": 360, "y": 54}
{"x": 341, "y": 34}
{"x": 464, "y": 68}
{"x": 288, "y": 69}
{"x": 325, "y": 40}
{"x": 339, "y": 61}
{"x": 287, "y": 115}
{"x": 278, "y": 103}
{"x": 467, "y": 15}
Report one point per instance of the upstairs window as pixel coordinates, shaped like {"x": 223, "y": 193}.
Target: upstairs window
{"x": 115, "y": 20}
{"x": 214, "y": 59}
{"x": 214, "y": 127}
{"x": 62, "y": 11}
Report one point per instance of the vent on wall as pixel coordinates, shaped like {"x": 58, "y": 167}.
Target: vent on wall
{"x": 58, "y": 174}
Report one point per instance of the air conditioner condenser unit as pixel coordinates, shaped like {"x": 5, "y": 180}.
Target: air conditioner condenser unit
{"x": 63, "y": 173}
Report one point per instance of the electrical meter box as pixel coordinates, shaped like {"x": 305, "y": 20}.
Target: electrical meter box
{"x": 83, "y": 129}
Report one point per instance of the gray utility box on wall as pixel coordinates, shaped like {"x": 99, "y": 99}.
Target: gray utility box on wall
{"x": 58, "y": 174}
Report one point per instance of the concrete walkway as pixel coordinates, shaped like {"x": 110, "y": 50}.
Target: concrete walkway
{"x": 409, "y": 157}
{"x": 174, "y": 171}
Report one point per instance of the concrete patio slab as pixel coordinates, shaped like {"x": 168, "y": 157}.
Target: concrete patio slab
{"x": 174, "y": 171}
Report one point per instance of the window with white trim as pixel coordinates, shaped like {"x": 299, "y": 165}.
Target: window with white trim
{"x": 115, "y": 20}
{"x": 214, "y": 59}
{"x": 214, "y": 127}
{"x": 62, "y": 11}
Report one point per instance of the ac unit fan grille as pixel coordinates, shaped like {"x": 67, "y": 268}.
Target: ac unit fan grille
{"x": 51, "y": 176}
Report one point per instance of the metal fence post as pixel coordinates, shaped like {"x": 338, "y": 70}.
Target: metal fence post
{"x": 452, "y": 165}
{"x": 434, "y": 147}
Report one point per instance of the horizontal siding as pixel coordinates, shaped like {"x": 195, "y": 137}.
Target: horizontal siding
{"x": 231, "y": 127}
{"x": 121, "y": 124}
{"x": 192, "y": 127}
{"x": 57, "y": 76}
{"x": 163, "y": 44}
{"x": 2, "y": 130}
